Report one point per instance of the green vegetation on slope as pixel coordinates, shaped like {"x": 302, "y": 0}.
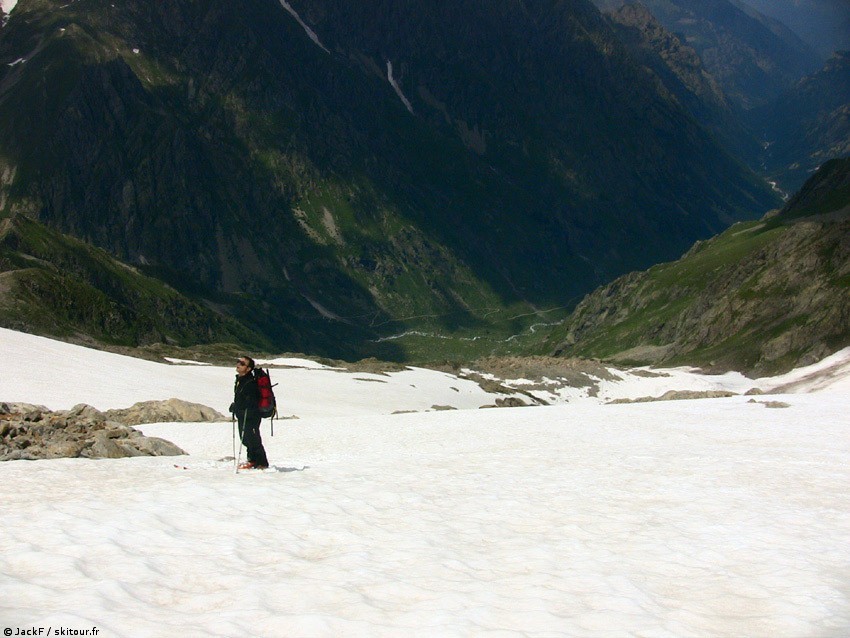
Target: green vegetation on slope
{"x": 762, "y": 296}
{"x": 228, "y": 155}
{"x": 56, "y": 285}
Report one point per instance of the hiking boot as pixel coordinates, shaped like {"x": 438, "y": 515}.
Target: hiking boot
{"x": 248, "y": 465}
{"x": 261, "y": 467}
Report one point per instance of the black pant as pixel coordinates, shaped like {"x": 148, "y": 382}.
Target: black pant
{"x": 249, "y": 434}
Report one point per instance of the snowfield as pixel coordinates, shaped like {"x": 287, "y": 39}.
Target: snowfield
{"x": 714, "y": 517}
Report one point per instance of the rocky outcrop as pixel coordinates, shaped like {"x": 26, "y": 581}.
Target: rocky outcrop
{"x": 682, "y": 72}
{"x": 760, "y": 298}
{"x": 680, "y": 395}
{"x": 171, "y": 410}
{"x": 783, "y": 305}
{"x": 33, "y": 432}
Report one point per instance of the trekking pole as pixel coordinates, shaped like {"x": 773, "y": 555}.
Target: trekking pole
{"x": 235, "y": 462}
{"x": 239, "y": 445}
{"x": 239, "y": 458}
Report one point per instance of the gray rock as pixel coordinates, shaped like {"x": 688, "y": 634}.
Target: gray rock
{"x": 771, "y": 404}
{"x": 511, "y": 402}
{"x": 171, "y": 410}
{"x": 680, "y": 395}
{"x": 154, "y": 446}
{"x": 783, "y": 304}
{"x": 104, "y": 448}
{"x": 33, "y": 432}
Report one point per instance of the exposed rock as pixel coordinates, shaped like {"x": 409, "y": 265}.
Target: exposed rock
{"x": 648, "y": 374}
{"x": 171, "y": 410}
{"x": 771, "y": 404}
{"x": 539, "y": 374}
{"x": 27, "y": 411}
{"x": 761, "y": 298}
{"x": 680, "y": 395}
{"x": 33, "y": 432}
{"x": 578, "y": 372}
{"x": 488, "y": 385}
{"x": 511, "y": 402}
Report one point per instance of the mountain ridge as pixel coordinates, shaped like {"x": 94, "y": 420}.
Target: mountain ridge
{"x": 752, "y": 56}
{"x": 681, "y": 70}
{"x": 57, "y": 285}
{"x": 249, "y": 160}
{"x": 808, "y": 124}
{"x": 761, "y": 297}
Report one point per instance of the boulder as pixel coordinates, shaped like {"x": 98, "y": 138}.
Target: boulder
{"x": 171, "y": 410}
{"x": 511, "y": 402}
{"x": 34, "y": 432}
{"x": 680, "y": 395}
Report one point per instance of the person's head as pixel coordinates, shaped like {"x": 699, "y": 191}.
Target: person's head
{"x": 244, "y": 365}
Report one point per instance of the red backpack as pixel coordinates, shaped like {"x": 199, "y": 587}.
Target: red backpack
{"x": 268, "y": 404}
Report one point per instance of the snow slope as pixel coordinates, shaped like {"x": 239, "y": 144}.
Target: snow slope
{"x": 60, "y": 375}
{"x": 671, "y": 519}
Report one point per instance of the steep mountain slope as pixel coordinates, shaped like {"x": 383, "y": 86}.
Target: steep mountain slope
{"x": 809, "y": 124}
{"x": 348, "y": 171}
{"x": 680, "y": 69}
{"x": 763, "y": 296}
{"x": 58, "y": 285}
{"x": 822, "y": 24}
{"x": 754, "y": 58}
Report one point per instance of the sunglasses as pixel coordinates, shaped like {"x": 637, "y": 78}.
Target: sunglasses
{"x": 242, "y": 363}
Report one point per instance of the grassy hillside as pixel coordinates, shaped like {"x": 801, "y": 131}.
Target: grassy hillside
{"x": 56, "y": 285}
{"x": 763, "y": 296}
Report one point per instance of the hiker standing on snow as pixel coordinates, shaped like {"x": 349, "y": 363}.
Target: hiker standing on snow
{"x": 246, "y": 398}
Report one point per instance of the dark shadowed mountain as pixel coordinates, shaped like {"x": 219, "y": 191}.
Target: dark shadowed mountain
{"x": 754, "y": 58}
{"x": 681, "y": 71}
{"x": 762, "y": 297}
{"x": 823, "y": 24}
{"x": 54, "y": 284}
{"x": 808, "y": 125}
{"x": 334, "y": 172}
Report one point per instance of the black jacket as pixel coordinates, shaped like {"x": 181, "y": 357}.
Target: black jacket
{"x": 246, "y": 395}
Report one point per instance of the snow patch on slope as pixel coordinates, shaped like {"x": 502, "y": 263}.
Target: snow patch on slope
{"x": 327, "y": 314}
{"x": 832, "y": 372}
{"x": 312, "y": 34}
{"x": 397, "y": 88}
